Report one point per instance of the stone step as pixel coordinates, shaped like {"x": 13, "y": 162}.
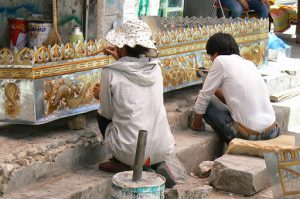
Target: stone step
{"x": 193, "y": 147}
{"x": 87, "y": 183}
{"x": 41, "y": 180}
{"x": 33, "y": 153}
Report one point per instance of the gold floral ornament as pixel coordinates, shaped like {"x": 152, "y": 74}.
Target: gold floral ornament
{"x": 235, "y": 28}
{"x": 101, "y": 45}
{"x": 191, "y": 68}
{"x": 188, "y": 34}
{"x": 206, "y": 60}
{"x": 204, "y": 32}
{"x": 173, "y": 36}
{"x": 219, "y": 28}
{"x": 42, "y": 55}
{"x": 92, "y": 48}
{"x": 227, "y": 28}
{"x": 56, "y": 53}
{"x": 81, "y": 50}
{"x": 255, "y": 53}
{"x": 181, "y": 35}
{"x": 256, "y": 25}
{"x": 166, "y": 67}
{"x": 243, "y": 27}
{"x": 6, "y": 56}
{"x": 25, "y": 57}
{"x": 68, "y": 51}
{"x": 12, "y": 100}
{"x": 249, "y": 26}
{"x": 177, "y": 73}
{"x": 196, "y": 33}
{"x": 164, "y": 37}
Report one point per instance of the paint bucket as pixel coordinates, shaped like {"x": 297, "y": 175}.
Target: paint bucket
{"x": 39, "y": 31}
{"x": 17, "y": 32}
{"x": 151, "y": 186}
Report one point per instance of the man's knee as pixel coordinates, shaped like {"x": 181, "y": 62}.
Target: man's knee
{"x": 236, "y": 12}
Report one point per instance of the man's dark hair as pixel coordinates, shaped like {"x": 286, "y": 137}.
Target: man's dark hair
{"x": 136, "y": 51}
{"x": 223, "y": 44}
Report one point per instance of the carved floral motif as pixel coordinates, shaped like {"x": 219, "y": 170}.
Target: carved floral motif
{"x": 6, "y": 56}
{"x": 12, "y": 100}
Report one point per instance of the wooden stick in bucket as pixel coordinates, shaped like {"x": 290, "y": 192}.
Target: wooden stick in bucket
{"x": 54, "y": 37}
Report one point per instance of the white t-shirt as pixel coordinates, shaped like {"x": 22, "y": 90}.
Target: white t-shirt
{"x": 244, "y": 90}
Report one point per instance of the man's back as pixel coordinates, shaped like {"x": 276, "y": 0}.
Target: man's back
{"x": 136, "y": 104}
{"x": 245, "y": 92}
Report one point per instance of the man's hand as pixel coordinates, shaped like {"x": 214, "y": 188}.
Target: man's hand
{"x": 96, "y": 91}
{"x": 113, "y": 51}
{"x": 244, "y": 4}
{"x": 197, "y": 123}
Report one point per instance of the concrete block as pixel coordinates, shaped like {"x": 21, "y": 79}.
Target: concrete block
{"x": 244, "y": 175}
{"x": 277, "y": 82}
{"x": 193, "y": 147}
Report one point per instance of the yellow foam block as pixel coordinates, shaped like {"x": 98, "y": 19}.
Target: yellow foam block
{"x": 258, "y": 148}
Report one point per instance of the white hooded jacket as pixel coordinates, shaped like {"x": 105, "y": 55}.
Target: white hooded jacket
{"x": 132, "y": 97}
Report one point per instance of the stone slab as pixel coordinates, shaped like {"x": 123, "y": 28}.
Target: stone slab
{"x": 243, "y": 175}
{"x": 87, "y": 183}
{"x": 193, "y": 147}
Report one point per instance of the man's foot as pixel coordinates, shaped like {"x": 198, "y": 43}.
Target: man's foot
{"x": 162, "y": 169}
{"x": 113, "y": 166}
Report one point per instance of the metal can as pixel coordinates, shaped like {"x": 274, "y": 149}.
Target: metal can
{"x": 17, "y": 32}
{"x": 39, "y": 32}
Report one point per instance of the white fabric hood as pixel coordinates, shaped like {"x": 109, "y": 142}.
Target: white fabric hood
{"x": 139, "y": 70}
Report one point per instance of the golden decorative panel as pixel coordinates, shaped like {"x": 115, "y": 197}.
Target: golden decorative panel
{"x": 12, "y": 100}
{"x": 289, "y": 171}
{"x": 180, "y": 69}
{"x": 65, "y": 93}
{"x": 254, "y": 53}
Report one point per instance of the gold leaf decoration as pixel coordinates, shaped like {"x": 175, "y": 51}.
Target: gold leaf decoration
{"x": 42, "y": 55}
{"x": 6, "y": 56}
{"x": 68, "y": 51}
{"x": 25, "y": 57}
{"x": 56, "y": 53}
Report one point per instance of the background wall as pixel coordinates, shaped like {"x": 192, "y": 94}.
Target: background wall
{"x": 19, "y": 8}
{"x": 198, "y": 8}
{"x": 102, "y": 14}
{"x": 70, "y": 13}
